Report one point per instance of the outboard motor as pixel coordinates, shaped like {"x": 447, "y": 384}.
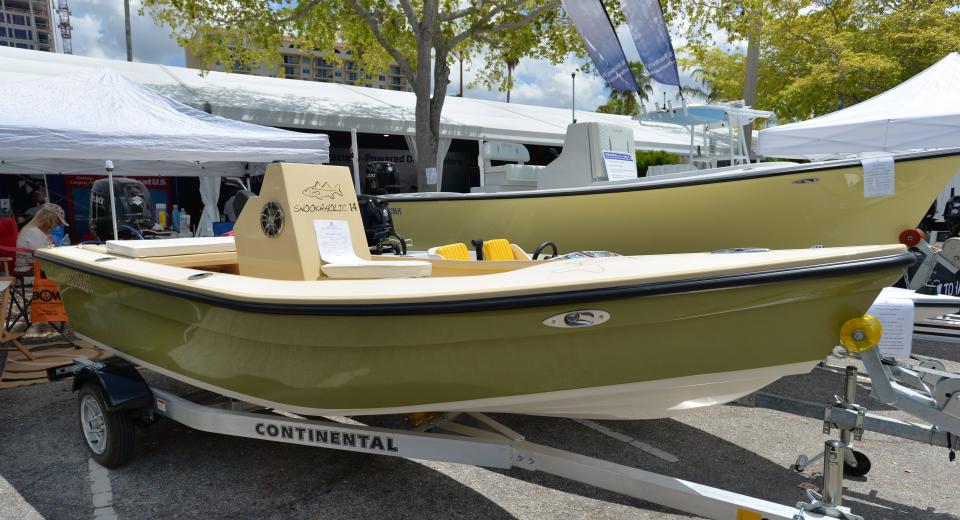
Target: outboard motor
{"x": 135, "y": 212}
{"x": 951, "y": 215}
{"x": 378, "y": 224}
{"x": 381, "y": 178}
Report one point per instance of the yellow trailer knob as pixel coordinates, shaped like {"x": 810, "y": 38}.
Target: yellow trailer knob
{"x": 861, "y": 334}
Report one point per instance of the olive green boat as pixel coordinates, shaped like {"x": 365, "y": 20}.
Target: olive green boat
{"x": 293, "y": 313}
{"x": 770, "y": 205}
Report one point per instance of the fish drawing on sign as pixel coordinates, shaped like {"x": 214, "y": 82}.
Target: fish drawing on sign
{"x": 321, "y": 191}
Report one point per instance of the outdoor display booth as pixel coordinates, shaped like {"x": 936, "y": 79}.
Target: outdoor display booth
{"x": 73, "y": 124}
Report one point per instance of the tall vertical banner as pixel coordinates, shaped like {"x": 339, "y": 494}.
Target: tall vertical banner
{"x": 591, "y": 21}
{"x": 650, "y": 34}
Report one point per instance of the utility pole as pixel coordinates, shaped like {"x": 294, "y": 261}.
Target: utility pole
{"x": 573, "y": 96}
{"x": 461, "y": 73}
{"x": 126, "y": 21}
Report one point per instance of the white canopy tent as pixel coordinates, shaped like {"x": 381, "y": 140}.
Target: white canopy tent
{"x": 336, "y": 107}
{"x": 920, "y": 113}
{"x": 71, "y": 124}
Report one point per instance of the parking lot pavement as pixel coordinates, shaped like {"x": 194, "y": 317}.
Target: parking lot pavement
{"x": 182, "y": 473}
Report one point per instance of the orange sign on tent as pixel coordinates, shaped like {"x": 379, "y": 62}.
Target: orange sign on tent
{"x": 46, "y": 305}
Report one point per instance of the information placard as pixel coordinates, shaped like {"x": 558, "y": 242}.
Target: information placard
{"x": 334, "y": 241}
{"x": 620, "y": 165}
{"x": 879, "y": 177}
{"x": 896, "y": 316}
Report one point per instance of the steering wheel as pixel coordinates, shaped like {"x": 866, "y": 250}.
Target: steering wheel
{"x": 541, "y": 247}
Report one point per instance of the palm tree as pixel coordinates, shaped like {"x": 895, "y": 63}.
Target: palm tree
{"x": 511, "y": 64}
{"x": 630, "y": 103}
{"x": 705, "y": 90}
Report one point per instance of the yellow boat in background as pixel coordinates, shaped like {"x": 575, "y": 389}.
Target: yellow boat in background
{"x": 775, "y": 207}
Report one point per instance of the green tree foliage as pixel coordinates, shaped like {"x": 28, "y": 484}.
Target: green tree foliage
{"x": 423, "y": 37}
{"x": 816, "y": 56}
{"x": 654, "y": 158}
{"x": 629, "y": 103}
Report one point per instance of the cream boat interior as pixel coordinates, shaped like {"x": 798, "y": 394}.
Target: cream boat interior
{"x": 292, "y": 266}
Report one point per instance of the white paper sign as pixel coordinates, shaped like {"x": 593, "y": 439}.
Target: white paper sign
{"x": 878, "y": 176}
{"x": 334, "y": 241}
{"x": 896, "y": 316}
{"x": 620, "y": 165}
{"x": 431, "y": 175}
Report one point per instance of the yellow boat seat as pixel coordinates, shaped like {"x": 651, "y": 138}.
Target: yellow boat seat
{"x": 457, "y": 251}
{"x": 497, "y": 250}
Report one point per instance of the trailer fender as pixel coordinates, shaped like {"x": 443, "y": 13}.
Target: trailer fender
{"x": 123, "y": 386}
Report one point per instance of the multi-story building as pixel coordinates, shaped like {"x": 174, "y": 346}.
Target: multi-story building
{"x": 313, "y": 65}
{"x": 28, "y": 24}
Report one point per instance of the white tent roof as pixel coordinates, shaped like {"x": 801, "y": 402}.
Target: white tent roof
{"x": 920, "y": 113}
{"x": 48, "y": 124}
{"x": 330, "y": 106}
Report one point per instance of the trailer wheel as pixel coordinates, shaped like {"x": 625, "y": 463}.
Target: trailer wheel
{"x": 862, "y": 464}
{"x": 109, "y": 436}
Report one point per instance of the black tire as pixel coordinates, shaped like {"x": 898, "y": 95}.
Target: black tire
{"x": 862, "y": 467}
{"x": 115, "y": 447}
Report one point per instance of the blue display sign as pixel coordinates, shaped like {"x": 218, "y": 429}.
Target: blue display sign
{"x": 649, "y": 30}
{"x": 591, "y": 21}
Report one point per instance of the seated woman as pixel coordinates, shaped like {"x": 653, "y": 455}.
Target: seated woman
{"x": 36, "y": 234}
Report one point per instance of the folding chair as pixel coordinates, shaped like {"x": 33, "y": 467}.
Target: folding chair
{"x": 18, "y": 306}
{"x": 13, "y": 338}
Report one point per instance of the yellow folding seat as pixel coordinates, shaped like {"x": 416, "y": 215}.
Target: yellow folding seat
{"x": 498, "y": 249}
{"x": 457, "y": 251}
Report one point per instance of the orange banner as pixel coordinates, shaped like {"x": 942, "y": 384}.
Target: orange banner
{"x": 46, "y": 304}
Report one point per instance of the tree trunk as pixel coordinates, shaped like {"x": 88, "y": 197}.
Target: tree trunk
{"x": 750, "y": 81}
{"x": 429, "y": 106}
{"x": 425, "y": 138}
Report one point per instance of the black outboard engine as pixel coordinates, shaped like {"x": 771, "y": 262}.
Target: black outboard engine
{"x": 951, "y": 215}
{"x": 135, "y": 212}
{"x": 378, "y": 225}
{"x": 381, "y": 178}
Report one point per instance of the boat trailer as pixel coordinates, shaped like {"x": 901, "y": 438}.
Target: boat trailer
{"x": 925, "y": 391}
{"x": 114, "y": 398}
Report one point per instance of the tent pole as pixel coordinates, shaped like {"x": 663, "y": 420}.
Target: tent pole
{"x": 113, "y": 200}
{"x": 46, "y": 189}
{"x": 693, "y": 130}
{"x": 480, "y": 161}
{"x": 356, "y": 159}
{"x": 730, "y": 139}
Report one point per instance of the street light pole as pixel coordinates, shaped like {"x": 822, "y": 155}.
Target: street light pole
{"x": 126, "y": 21}
{"x": 573, "y": 96}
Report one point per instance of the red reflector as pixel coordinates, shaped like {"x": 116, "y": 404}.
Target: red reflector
{"x": 911, "y": 237}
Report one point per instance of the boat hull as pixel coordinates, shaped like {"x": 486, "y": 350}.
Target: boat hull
{"x": 794, "y": 208}
{"x": 658, "y": 356}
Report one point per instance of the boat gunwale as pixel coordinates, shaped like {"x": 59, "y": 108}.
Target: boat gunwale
{"x": 653, "y": 183}
{"x": 575, "y": 297}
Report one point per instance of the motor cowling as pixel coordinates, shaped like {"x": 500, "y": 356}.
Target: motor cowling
{"x": 951, "y": 215}
{"x": 378, "y": 225}
{"x": 135, "y": 211}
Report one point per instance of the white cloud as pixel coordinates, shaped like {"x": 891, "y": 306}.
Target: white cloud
{"x": 98, "y": 31}
{"x": 537, "y": 82}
